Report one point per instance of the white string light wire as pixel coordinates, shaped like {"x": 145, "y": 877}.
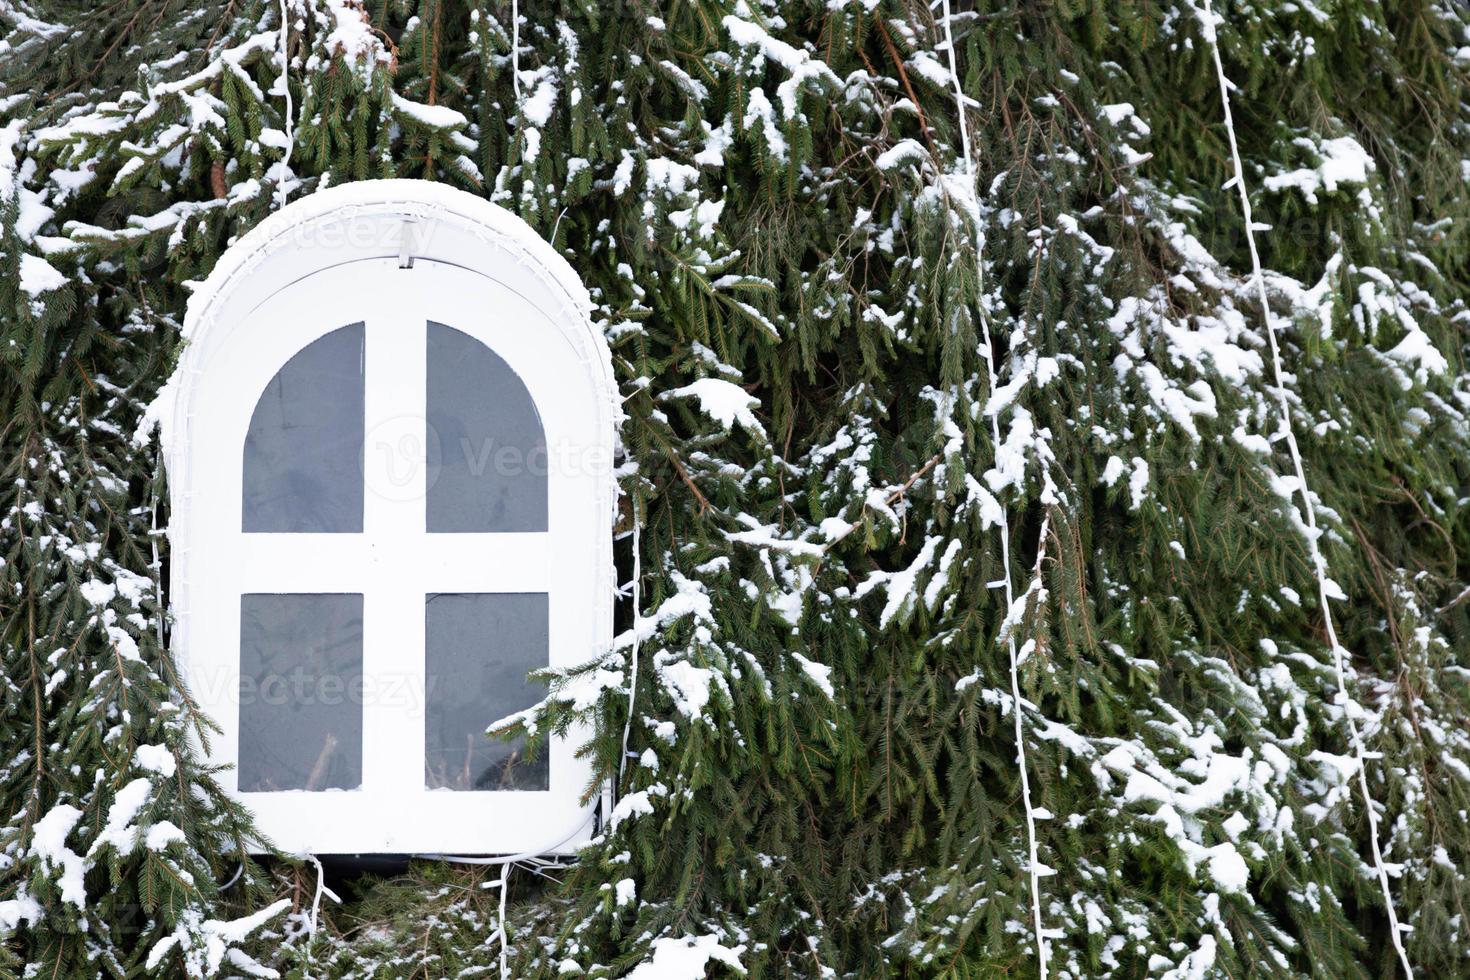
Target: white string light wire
{"x": 239, "y": 870}
{"x": 157, "y": 566}
{"x": 515, "y": 53}
{"x": 290, "y": 111}
{"x": 1043, "y": 949}
{"x": 316, "y": 906}
{"x": 500, "y": 925}
{"x": 506, "y": 862}
{"x": 1319, "y": 565}
{"x": 633, "y": 657}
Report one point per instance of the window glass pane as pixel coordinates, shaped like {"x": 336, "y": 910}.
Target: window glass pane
{"x": 487, "y": 450}
{"x": 478, "y": 650}
{"x": 300, "y": 692}
{"x": 303, "y": 454}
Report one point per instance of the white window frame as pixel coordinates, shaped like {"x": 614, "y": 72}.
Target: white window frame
{"x": 393, "y": 255}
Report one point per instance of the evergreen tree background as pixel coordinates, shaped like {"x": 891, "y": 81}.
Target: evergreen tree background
{"x": 771, "y": 196}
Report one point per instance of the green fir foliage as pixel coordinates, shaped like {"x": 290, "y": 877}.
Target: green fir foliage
{"x": 767, "y": 201}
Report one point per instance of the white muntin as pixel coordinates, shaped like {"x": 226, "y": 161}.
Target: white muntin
{"x": 307, "y": 565}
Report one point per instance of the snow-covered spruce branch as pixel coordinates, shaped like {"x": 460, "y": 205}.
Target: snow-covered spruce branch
{"x": 1327, "y": 590}
{"x": 893, "y": 497}
{"x": 716, "y": 189}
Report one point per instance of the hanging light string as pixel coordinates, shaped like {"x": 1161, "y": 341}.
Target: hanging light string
{"x": 501, "y": 935}
{"x": 500, "y": 923}
{"x": 290, "y": 111}
{"x": 637, "y": 589}
{"x": 1033, "y": 868}
{"x": 515, "y": 54}
{"x": 157, "y": 566}
{"x": 316, "y": 907}
{"x": 1319, "y": 564}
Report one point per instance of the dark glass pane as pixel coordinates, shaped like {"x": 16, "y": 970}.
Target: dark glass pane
{"x": 487, "y": 450}
{"x": 478, "y": 650}
{"x": 303, "y": 454}
{"x": 300, "y": 692}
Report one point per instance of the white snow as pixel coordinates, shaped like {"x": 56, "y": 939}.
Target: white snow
{"x": 623, "y": 174}
{"x": 670, "y": 176}
{"x": 1228, "y": 868}
{"x": 433, "y": 116}
{"x": 1181, "y": 800}
{"x": 9, "y": 139}
{"x": 802, "y": 66}
{"x": 834, "y": 528}
{"x": 1119, "y": 112}
{"x": 22, "y": 908}
{"x": 626, "y": 891}
{"x": 631, "y": 805}
{"x": 689, "y": 686}
{"x": 218, "y": 935}
{"x": 717, "y": 140}
{"x": 686, "y": 959}
{"x": 352, "y": 35}
{"x": 747, "y": 34}
{"x": 928, "y": 67}
{"x": 901, "y": 152}
{"x": 1344, "y": 163}
{"x": 940, "y": 579}
{"x": 156, "y": 758}
{"x": 119, "y": 831}
{"x": 48, "y": 842}
{"x": 691, "y": 599}
{"x": 1138, "y": 482}
{"x": 536, "y": 107}
{"x": 98, "y": 592}
{"x": 725, "y": 402}
{"x": 818, "y": 674}
{"x": 161, "y": 835}
{"x": 1418, "y": 351}
{"x": 1198, "y": 965}
{"x": 760, "y": 114}
{"x": 902, "y": 585}
{"x": 38, "y": 276}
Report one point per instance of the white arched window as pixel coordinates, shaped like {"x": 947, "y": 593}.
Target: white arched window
{"x": 391, "y": 473}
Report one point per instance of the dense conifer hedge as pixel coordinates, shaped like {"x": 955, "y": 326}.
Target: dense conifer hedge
{"x": 769, "y": 204}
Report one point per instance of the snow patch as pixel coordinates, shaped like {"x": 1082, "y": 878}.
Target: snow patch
{"x": 156, "y": 758}
{"x": 1344, "y": 163}
{"x": 725, "y": 402}
{"x": 686, "y": 959}
{"x": 48, "y": 842}
{"x": 37, "y": 276}
{"x": 818, "y": 674}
